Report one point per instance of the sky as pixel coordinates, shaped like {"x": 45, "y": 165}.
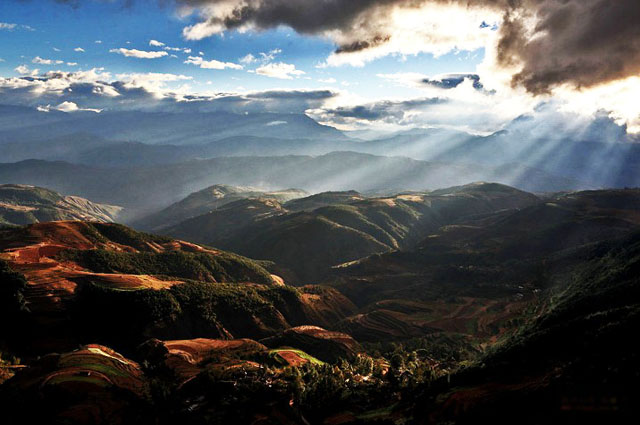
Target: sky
{"x": 355, "y": 64}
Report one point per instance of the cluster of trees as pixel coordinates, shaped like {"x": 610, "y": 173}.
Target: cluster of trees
{"x": 196, "y": 266}
{"x": 234, "y": 390}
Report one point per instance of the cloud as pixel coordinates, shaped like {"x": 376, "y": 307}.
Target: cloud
{"x": 577, "y": 42}
{"x": 328, "y": 80}
{"x": 388, "y": 111}
{"x": 156, "y": 43}
{"x": 443, "y": 81}
{"x": 24, "y": 70}
{"x": 212, "y": 64}
{"x": 6, "y": 26}
{"x": 263, "y": 57}
{"x": 279, "y": 70}
{"x": 270, "y": 55}
{"x": 42, "y": 61}
{"x": 71, "y": 107}
{"x": 461, "y": 107}
{"x": 177, "y": 49}
{"x": 550, "y": 42}
{"x": 450, "y": 81}
{"x": 141, "y": 54}
{"x": 72, "y": 63}
{"x": 570, "y": 49}
{"x": 153, "y": 82}
{"x": 275, "y": 123}
{"x": 97, "y": 89}
{"x": 362, "y": 29}
{"x": 248, "y": 59}
{"x": 98, "y": 41}
{"x": 78, "y": 49}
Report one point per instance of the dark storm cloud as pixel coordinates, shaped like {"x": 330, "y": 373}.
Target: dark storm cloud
{"x": 304, "y": 16}
{"x": 582, "y": 42}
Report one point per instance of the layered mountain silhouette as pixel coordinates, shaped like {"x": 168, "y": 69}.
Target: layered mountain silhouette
{"x": 144, "y": 190}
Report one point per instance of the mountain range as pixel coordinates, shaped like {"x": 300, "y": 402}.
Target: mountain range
{"x": 474, "y": 302}
{"x": 270, "y": 269}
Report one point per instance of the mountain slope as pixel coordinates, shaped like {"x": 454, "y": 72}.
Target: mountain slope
{"x": 208, "y": 199}
{"x": 476, "y": 276}
{"x": 22, "y": 204}
{"x": 572, "y": 364}
{"x": 107, "y": 283}
{"x": 308, "y": 243}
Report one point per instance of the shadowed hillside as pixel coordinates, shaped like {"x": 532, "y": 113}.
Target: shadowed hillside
{"x": 571, "y": 364}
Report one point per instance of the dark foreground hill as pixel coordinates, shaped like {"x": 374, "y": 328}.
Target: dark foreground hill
{"x": 572, "y": 364}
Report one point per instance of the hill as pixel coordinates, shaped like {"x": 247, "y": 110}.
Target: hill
{"x": 338, "y": 227}
{"x": 496, "y": 305}
{"x": 23, "y": 204}
{"x": 208, "y": 199}
{"x": 479, "y": 274}
{"x": 570, "y": 364}
{"x": 75, "y": 273}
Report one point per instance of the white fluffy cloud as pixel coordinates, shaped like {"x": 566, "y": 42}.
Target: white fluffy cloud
{"x": 25, "y": 70}
{"x": 140, "y": 54}
{"x": 97, "y": 89}
{"x": 67, "y": 107}
{"x": 211, "y": 64}
{"x": 283, "y": 71}
{"x": 156, "y": 43}
{"x": 78, "y": 49}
